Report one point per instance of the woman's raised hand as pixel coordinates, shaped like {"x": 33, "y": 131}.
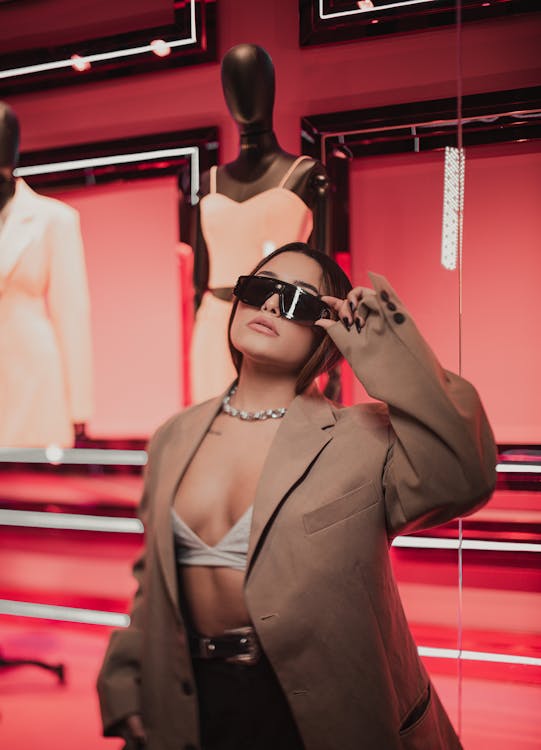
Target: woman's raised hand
{"x": 351, "y": 311}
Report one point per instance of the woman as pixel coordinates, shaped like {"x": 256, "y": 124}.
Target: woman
{"x": 285, "y": 630}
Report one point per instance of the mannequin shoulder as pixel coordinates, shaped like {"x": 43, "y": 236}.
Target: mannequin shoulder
{"x": 307, "y": 166}
{"x": 55, "y": 210}
{"x": 42, "y": 205}
{"x": 309, "y": 176}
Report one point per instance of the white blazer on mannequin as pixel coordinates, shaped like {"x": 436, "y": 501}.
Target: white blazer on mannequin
{"x": 45, "y": 342}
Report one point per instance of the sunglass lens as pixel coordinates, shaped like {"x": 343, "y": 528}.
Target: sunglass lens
{"x": 254, "y": 290}
{"x": 301, "y": 306}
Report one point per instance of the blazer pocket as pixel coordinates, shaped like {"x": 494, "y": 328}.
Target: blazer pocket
{"x": 343, "y": 507}
{"x": 417, "y": 715}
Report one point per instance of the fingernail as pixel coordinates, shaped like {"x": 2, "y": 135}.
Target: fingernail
{"x": 351, "y": 307}
{"x": 346, "y": 323}
{"x": 358, "y": 325}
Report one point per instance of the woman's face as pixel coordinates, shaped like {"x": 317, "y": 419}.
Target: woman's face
{"x": 261, "y": 335}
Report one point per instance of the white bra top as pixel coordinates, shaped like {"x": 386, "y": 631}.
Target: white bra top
{"x": 230, "y": 552}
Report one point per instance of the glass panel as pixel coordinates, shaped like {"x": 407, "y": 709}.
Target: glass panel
{"x": 396, "y": 219}
{"x": 500, "y": 355}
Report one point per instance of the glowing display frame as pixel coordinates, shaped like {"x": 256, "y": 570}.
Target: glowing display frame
{"x": 190, "y": 40}
{"x": 332, "y": 21}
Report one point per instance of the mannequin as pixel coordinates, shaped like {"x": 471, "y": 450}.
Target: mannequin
{"x": 45, "y": 345}
{"x": 266, "y": 197}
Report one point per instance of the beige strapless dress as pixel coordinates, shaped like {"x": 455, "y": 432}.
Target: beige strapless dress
{"x": 237, "y": 236}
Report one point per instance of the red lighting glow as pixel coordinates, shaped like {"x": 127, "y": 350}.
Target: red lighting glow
{"x": 374, "y": 20}
{"x": 160, "y": 48}
{"x": 79, "y": 63}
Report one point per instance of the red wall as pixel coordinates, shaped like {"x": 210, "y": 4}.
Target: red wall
{"x": 396, "y": 230}
{"x": 501, "y": 320}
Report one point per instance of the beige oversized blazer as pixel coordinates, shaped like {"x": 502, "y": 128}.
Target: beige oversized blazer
{"x": 337, "y": 486}
{"x": 45, "y": 341}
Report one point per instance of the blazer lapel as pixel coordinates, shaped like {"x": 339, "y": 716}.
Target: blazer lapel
{"x": 181, "y": 444}
{"x": 300, "y": 438}
{"x": 18, "y": 230}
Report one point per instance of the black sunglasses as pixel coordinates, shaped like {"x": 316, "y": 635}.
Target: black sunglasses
{"x": 295, "y": 302}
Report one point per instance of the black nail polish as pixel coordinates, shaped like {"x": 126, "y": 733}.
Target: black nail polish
{"x": 346, "y": 323}
{"x": 358, "y": 325}
{"x": 352, "y": 307}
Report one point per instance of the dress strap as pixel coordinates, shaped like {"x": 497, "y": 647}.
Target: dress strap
{"x": 291, "y": 169}
{"x": 213, "y": 171}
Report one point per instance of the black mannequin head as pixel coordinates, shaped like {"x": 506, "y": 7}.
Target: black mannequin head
{"x": 9, "y": 152}
{"x": 248, "y": 85}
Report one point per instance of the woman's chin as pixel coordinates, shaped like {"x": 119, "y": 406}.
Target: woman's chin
{"x": 260, "y": 357}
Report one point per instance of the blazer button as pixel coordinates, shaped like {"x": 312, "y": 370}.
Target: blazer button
{"x": 384, "y": 296}
{"x": 187, "y": 688}
{"x": 391, "y": 306}
{"x": 399, "y": 318}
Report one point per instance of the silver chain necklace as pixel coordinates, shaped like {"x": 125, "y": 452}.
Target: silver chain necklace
{"x": 249, "y": 416}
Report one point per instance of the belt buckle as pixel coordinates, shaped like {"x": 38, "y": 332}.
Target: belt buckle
{"x": 248, "y": 638}
{"x": 206, "y": 648}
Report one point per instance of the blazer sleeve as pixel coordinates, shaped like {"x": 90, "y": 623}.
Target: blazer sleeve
{"x": 69, "y": 308}
{"x": 119, "y": 676}
{"x": 441, "y": 461}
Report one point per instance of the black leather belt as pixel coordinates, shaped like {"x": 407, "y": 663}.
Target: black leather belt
{"x": 240, "y": 646}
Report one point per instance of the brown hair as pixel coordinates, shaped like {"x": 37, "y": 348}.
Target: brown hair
{"x": 325, "y": 354}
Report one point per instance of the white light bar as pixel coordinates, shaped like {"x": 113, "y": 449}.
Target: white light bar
{"x": 65, "y": 614}
{"x": 116, "y": 619}
{"x": 105, "y": 161}
{"x": 357, "y": 11}
{"x": 119, "y": 525}
{"x": 452, "y": 653}
{"x": 430, "y": 542}
{"x": 99, "y": 57}
{"x": 509, "y": 468}
{"x": 81, "y": 456}
{"x": 102, "y": 161}
{"x": 70, "y": 521}
{"x": 111, "y": 456}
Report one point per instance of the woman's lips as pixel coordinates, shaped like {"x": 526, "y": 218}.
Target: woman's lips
{"x": 263, "y": 325}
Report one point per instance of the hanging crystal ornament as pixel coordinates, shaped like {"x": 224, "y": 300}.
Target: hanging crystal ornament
{"x": 453, "y": 177}
{"x": 453, "y": 206}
